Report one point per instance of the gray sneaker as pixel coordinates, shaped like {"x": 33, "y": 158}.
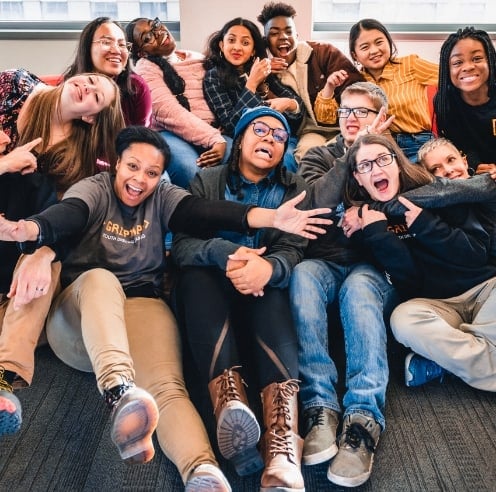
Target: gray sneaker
{"x": 320, "y": 435}
{"x": 353, "y": 464}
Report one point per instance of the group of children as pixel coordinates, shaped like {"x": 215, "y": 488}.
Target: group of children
{"x": 396, "y": 237}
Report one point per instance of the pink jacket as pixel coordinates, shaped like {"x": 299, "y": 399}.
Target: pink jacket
{"x": 193, "y": 126}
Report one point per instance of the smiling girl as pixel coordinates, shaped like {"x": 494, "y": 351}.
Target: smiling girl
{"x": 465, "y": 104}
{"x": 403, "y": 79}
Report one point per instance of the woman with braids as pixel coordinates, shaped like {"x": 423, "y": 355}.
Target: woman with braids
{"x": 465, "y": 105}
{"x": 103, "y": 49}
{"x": 239, "y": 76}
{"x": 179, "y": 108}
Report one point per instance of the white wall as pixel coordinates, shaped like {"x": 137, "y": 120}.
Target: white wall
{"x": 199, "y": 18}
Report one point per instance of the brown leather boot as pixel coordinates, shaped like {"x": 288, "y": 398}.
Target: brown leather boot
{"x": 238, "y": 431}
{"x": 281, "y": 445}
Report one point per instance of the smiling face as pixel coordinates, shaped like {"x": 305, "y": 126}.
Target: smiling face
{"x": 381, "y": 183}
{"x": 237, "y": 46}
{"x": 445, "y": 161}
{"x": 469, "y": 68}
{"x": 84, "y": 96}
{"x": 372, "y": 51}
{"x": 153, "y": 38}
{"x": 109, "y": 57}
{"x": 351, "y": 125}
{"x": 281, "y": 36}
{"x": 260, "y": 154}
{"x": 138, "y": 173}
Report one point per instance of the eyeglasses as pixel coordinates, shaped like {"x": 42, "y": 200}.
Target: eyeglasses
{"x": 358, "y": 112}
{"x": 261, "y": 129}
{"x": 383, "y": 160}
{"x": 152, "y": 34}
{"x": 107, "y": 43}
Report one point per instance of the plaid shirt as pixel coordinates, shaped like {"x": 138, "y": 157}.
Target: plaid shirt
{"x": 228, "y": 104}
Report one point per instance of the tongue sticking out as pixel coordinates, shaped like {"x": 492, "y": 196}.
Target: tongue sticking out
{"x": 381, "y": 185}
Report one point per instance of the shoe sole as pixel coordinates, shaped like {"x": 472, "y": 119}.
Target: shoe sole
{"x": 350, "y": 481}
{"x": 10, "y": 422}
{"x": 321, "y": 456}
{"x": 238, "y": 433}
{"x": 204, "y": 483}
{"x": 408, "y": 374}
{"x": 132, "y": 427}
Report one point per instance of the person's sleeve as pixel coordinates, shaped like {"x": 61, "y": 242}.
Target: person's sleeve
{"x": 58, "y": 223}
{"x": 219, "y": 101}
{"x": 315, "y": 163}
{"x": 426, "y": 72}
{"x": 142, "y": 101}
{"x": 327, "y": 190}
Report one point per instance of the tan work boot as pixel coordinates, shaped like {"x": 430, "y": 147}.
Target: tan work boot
{"x": 282, "y": 446}
{"x": 238, "y": 431}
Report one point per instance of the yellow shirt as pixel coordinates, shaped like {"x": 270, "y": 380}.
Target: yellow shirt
{"x": 405, "y": 84}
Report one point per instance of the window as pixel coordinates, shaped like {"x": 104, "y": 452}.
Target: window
{"x": 413, "y": 12}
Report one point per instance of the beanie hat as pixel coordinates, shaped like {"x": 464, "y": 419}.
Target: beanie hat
{"x": 251, "y": 114}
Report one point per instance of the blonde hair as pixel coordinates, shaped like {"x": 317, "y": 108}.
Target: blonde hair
{"x": 76, "y": 156}
{"x": 432, "y": 144}
{"x": 372, "y": 91}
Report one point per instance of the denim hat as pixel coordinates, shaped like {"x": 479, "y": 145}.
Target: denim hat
{"x": 251, "y": 114}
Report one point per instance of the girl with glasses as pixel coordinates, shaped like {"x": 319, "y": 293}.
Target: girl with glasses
{"x": 238, "y": 285}
{"x": 180, "y": 111}
{"x": 103, "y": 48}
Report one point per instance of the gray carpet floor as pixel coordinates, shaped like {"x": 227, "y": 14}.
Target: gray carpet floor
{"x": 439, "y": 437}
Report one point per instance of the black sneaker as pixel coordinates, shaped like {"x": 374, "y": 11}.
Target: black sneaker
{"x": 10, "y": 408}
{"x": 134, "y": 419}
{"x": 419, "y": 370}
{"x": 320, "y": 435}
{"x": 353, "y": 464}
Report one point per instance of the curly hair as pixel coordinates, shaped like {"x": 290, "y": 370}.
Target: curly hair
{"x": 445, "y": 97}
{"x": 275, "y": 9}
{"x": 215, "y": 58}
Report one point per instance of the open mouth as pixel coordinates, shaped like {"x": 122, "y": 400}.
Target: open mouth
{"x": 264, "y": 152}
{"x": 381, "y": 185}
{"x": 284, "y": 49}
{"x": 133, "y": 191}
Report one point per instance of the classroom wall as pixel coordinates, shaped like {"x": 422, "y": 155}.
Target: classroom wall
{"x": 199, "y": 18}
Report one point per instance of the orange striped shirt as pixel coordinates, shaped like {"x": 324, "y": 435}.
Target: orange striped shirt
{"x": 405, "y": 84}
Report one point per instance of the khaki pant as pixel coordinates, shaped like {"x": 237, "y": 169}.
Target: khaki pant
{"x": 313, "y": 139}
{"x": 458, "y": 333}
{"x": 20, "y": 330}
{"x": 93, "y": 326}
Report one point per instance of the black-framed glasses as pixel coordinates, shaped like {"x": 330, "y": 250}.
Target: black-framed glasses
{"x": 358, "y": 112}
{"x": 383, "y": 160}
{"x": 261, "y": 129}
{"x": 152, "y": 34}
{"x": 107, "y": 43}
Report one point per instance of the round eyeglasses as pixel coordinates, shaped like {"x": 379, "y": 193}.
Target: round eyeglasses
{"x": 107, "y": 43}
{"x": 358, "y": 112}
{"x": 261, "y": 129}
{"x": 148, "y": 37}
{"x": 383, "y": 160}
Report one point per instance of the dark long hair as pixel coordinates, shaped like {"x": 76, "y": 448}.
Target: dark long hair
{"x": 215, "y": 58}
{"x": 368, "y": 25}
{"x": 446, "y": 92}
{"x": 411, "y": 175}
{"x": 172, "y": 79}
{"x": 83, "y": 62}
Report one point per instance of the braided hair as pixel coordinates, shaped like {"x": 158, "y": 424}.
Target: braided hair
{"x": 446, "y": 93}
{"x": 172, "y": 79}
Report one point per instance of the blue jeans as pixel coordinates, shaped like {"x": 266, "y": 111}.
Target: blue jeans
{"x": 365, "y": 300}
{"x": 410, "y": 143}
{"x": 182, "y": 166}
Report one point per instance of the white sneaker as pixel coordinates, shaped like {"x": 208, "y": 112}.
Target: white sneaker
{"x": 207, "y": 477}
